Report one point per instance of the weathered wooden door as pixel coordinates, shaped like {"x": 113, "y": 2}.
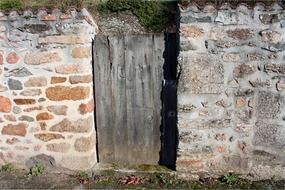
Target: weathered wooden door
{"x": 128, "y": 77}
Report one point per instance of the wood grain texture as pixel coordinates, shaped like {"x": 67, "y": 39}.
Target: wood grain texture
{"x": 104, "y": 113}
{"x": 128, "y": 78}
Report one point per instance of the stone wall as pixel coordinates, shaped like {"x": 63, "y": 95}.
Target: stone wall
{"x": 231, "y": 90}
{"x": 46, "y": 90}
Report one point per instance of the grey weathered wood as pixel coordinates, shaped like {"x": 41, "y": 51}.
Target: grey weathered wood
{"x": 135, "y": 61}
{"x": 103, "y": 96}
{"x": 156, "y": 77}
{"x": 128, "y": 77}
{"x": 118, "y": 98}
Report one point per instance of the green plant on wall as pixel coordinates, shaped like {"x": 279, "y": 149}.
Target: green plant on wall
{"x": 10, "y": 4}
{"x": 8, "y": 168}
{"x": 154, "y": 15}
{"x": 230, "y": 178}
{"x": 37, "y": 170}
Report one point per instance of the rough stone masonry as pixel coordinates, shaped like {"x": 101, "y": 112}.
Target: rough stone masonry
{"x": 46, "y": 102}
{"x": 231, "y": 115}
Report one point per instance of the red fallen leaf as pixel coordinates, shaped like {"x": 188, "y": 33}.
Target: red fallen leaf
{"x": 83, "y": 181}
{"x": 123, "y": 180}
{"x": 86, "y": 181}
{"x": 131, "y": 180}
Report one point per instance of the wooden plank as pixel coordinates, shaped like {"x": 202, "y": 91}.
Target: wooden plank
{"x": 148, "y": 101}
{"x": 133, "y": 113}
{"x": 128, "y": 75}
{"x": 118, "y": 98}
{"x": 139, "y": 98}
{"x": 157, "y": 78}
{"x": 104, "y": 111}
{"x": 130, "y": 78}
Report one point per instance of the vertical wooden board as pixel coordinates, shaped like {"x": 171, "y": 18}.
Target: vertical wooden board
{"x": 148, "y": 103}
{"x": 153, "y": 54}
{"x": 157, "y": 78}
{"x": 103, "y": 96}
{"x": 139, "y": 98}
{"x": 128, "y": 75}
{"x": 154, "y": 47}
{"x": 130, "y": 78}
{"x": 133, "y": 113}
{"x": 118, "y": 86}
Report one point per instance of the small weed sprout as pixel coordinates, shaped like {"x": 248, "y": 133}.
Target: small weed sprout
{"x": 83, "y": 175}
{"x": 230, "y": 178}
{"x": 37, "y": 170}
{"x": 8, "y": 168}
{"x": 84, "y": 178}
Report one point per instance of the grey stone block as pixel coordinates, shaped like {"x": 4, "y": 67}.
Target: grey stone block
{"x": 202, "y": 74}
{"x": 15, "y": 84}
{"x": 268, "y": 105}
{"x": 191, "y": 19}
{"x": 269, "y": 135}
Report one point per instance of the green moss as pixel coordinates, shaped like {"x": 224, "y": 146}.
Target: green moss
{"x": 83, "y": 175}
{"x": 8, "y": 168}
{"x": 154, "y": 15}
{"x": 231, "y": 178}
{"x": 152, "y": 168}
{"x": 10, "y": 4}
{"x": 117, "y": 5}
{"x": 37, "y": 170}
{"x": 141, "y": 168}
{"x": 108, "y": 173}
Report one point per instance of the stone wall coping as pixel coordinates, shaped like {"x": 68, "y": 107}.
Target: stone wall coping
{"x": 50, "y": 15}
{"x": 70, "y": 10}
{"x": 227, "y": 6}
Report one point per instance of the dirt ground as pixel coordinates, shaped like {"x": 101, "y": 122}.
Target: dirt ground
{"x": 21, "y": 179}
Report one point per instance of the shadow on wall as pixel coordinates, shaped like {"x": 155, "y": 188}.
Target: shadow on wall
{"x": 169, "y": 130}
{"x": 169, "y": 133}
